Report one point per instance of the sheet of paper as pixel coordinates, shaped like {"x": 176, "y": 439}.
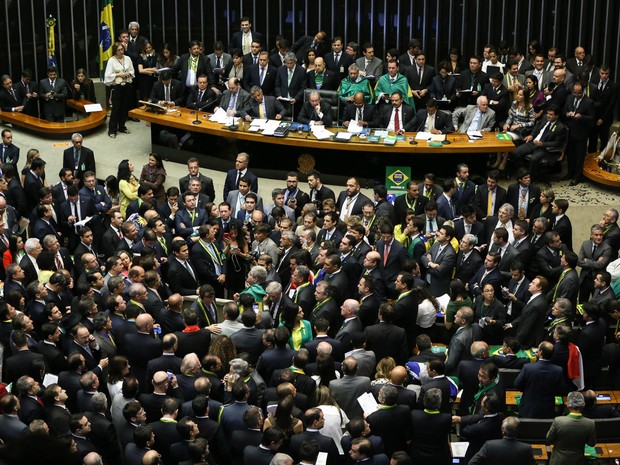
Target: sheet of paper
{"x": 284, "y": 99}
{"x": 459, "y": 448}
{"x": 381, "y": 133}
{"x": 258, "y": 122}
{"x": 354, "y": 128}
{"x": 92, "y": 107}
{"x": 270, "y": 127}
{"x": 83, "y": 222}
{"x": 477, "y": 134}
{"x": 368, "y": 403}
{"x": 321, "y": 132}
{"x": 161, "y": 70}
{"x": 321, "y": 459}
{"x": 343, "y": 136}
{"x": 219, "y": 116}
{"x": 438, "y": 137}
{"x": 423, "y": 135}
{"x": 49, "y": 379}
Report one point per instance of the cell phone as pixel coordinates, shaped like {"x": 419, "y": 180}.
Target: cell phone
{"x": 226, "y": 235}
{"x": 170, "y": 375}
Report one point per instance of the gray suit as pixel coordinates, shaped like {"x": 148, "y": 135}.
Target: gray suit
{"x": 466, "y": 114}
{"x": 232, "y": 200}
{"x": 440, "y": 277}
{"x": 546, "y": 78}
{"x": 273, "y": 107}
{"x": 346, "y": 390}
{"x": 241, "y": 105}
{"x": 224, "y": 60}
{"x": 374, "y": 68}
{"x": 366, "y": 362}
{"x": 460, "y": 344}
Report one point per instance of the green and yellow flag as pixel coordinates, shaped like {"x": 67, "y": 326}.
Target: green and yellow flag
{"x": 106, "y": 34}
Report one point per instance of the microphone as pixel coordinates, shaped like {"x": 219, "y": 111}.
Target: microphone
{"x": 199, "y": 109}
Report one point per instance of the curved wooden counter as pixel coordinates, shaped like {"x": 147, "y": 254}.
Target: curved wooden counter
{"x": 91, "y": 121}
{"x": 459, "y": 142}
{"x": 592, "y": 171}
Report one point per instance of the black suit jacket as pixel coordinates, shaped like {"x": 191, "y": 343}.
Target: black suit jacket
{"x": 387, "y": 340}
{"x": 540, "y": 382}
{"x": 236, "y": 41}
{"x": 251, "y": 77}
{"x": 8, "y": 101}
{"x": 206, "y": 102}
{"x": 308, "y": 113}
{"x": 330, "y": 81}
{"x": 507, "y": 451}
{"x": 579, "y": 129}
{"x": 340, "y": 68}
{"x": 370, "y": 114}
{"x": 273, "y": 107}
{"x": 180, "y": 280}
{"x": 465, "y": 270}
{"x": 296, "y": 87}
{"x": 203, "y": 67}
{"x": 481, "y": 200}
{"x": 408, "y": 113}
{"x": 86, "y": 161}
{"x": 441, "y": 122}
{"x": 565, "y": 229}
{"x": 514, "y": 192}
{"x": 529, "y": 324}
{"x": 230, "y": 184}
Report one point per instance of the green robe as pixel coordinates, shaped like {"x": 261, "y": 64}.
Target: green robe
{"x": 385, "y": 86}
{"x": 349, "y": 88}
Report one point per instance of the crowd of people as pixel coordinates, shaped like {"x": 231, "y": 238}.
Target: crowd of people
{"x": 115, "y": 351}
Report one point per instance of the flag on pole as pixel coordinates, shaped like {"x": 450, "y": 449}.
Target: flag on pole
{"x": 51, "y": 43}
{"x": 106, "y": 34}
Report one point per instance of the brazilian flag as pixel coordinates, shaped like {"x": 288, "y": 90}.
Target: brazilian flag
{"x": 106, "y": 34}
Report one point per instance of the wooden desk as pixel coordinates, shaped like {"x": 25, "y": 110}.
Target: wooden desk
{"x": 540, "y": 452}
{"x": 91, "y": 121}
{"x": 511, "y": 398}
{"x": 613, "y": 450}
{"x": 592, "y": 171}
{"x": 459, "y": 142}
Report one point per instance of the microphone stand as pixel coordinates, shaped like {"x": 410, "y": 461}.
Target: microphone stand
{"x": 197, "y": 121}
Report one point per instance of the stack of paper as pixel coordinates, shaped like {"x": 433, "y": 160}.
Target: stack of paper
{"x": 354, "y": 128}
{"x": 321, "y": 132}
{"x": 270, "y": 127}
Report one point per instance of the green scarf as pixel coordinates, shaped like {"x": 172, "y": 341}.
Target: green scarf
{"x": 481, "y": 392}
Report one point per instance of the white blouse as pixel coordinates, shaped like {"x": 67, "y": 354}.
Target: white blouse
{"x": 116, "y": 66}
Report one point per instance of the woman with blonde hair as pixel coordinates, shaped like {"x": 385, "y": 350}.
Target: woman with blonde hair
{"x": 335, "y": 418}
{"x": 384, "y": 368}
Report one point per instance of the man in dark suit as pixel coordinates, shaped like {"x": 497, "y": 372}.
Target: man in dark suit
{"x": 420, "y": 77}
{"x": 386, "y": 339}
{"x": 410, "y": 200}
{"x": 568, "y": 283}
{"x": 391, "y": 421}
{"x": 392, "y": 254}
{"x": 9, "y": 152}
{"x": 77, "y": 208}
{"x": 313, "y": 420}
{"x": 242, "y": 39}
{"x": 291, "y": 83}
{"x": 21, "y": 363}
{"x": 33, "y": 181}
{"x": 467, "y": 333}
{"x": 406, "y": 306}
{"x": 190, "y": 217}
{"x": 561, "y": 223}
{"x": 337, "y": 60}
{"x": 11, "y": 99}
{"x": 321, "y": 77}
{"x": 315, "y": 43}
{"x": 28, "y": 391}
{"x": 529, "y": 325}
{"x": 263, "y": 106}
{"x": 606, "y": 97}
{"x": 206, "y": 183}
{"x": 579, "y": 114}
{"x": 261, "y": 74}
{"x": 318, "y": 191}
{"x": 201, "y": 97}
{"x": 397, "y": 117}
{"x": 548, "y": 137}
{"x": 490, "y": 196}
{"x": 440, "y": 261}
{"x": 315, "y": 111}
{"x": 182, "y": 276}
{"x": 431, "y": 120}
{"x": 471, "y": 79}
{"x": 364, "y": 114}
{"x": 468, "y": 259}
{"x": 506, "y": 451}
{"x": 206, "y": 258}
{"x": 523, "y": 195}
{"x": 78, "y": 158}
{"x": 191, "y": 65}
{"x": 350, "y": 200}
{"x": 594, "y": 256}
{"x": 53, "y": 94}
{"x": 167, "y": 91}
{"x": 55, "y": 361}
{"x": 273, "y": 438}
{"x": 540, "y": 382}
{"x": 241, "y": 170}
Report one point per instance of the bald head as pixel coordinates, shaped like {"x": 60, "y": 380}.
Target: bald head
{"x": 373, "y": 257}
{"x": 398, "y": 375}
{"x": 480, "y": 349}
{"x": 144, "y": 322}
{"x": 324, "y": 348}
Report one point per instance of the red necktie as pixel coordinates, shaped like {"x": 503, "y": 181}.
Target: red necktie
{"x": 386, "y": 251}
{"x": 396, "y": 120}
{"x": 58, "y": 262}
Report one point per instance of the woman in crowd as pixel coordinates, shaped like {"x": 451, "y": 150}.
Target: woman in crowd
{"x": 490, "y": 313}
{"x": 384, "y": 368}
{"x": 300, "y": 329}
{"x": 458, "y": 298}
{"x": 15, "y": 252}
{"x": 283, "y": 418}
{"x": 443, "y": 88}
{"x": 167, "y": 58}
{"x": 521, "y": 119}
{"x": 237, "y": 258}
{"x": 428, "y": 307}
{"x": 335, "y": 418}
{"x": 117, "y": 370}
{"x": 455, "y": 61}
{"x": 309, "y": 60}
{"x": 147, "y": 68}
{"x": 83, "y": 87}
{"x": 154, "y": 175}
{"x": 111, "y": 188}
{"x": 127, "y": 185}
{"x": 547, "y": 196}
{"x": 119, "y": 74}
{"x": 534, "y": 96}
{"x": 225, "y": 349}
{"x": 235, "y": 67}
{"x": 31, "y": 155}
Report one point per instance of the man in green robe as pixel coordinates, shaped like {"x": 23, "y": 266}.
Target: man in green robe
{"x": 392, "y": 82}
{"x": 353, "y": 84}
